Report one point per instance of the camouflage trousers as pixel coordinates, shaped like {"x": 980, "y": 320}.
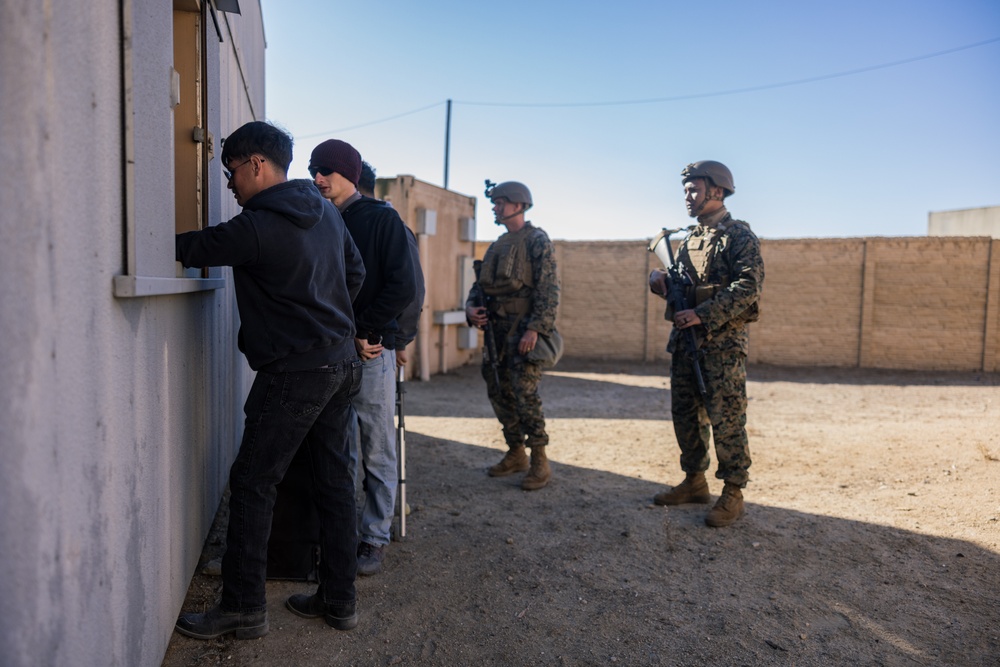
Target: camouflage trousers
{"x": 515, "y": 401}
{"x": 722, "y": 415}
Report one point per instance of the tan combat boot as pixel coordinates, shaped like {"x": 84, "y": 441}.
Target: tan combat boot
{"x": 694, "y": 489}
{"x": 540, "y": 472}
{"x": 515, "y": 460}
{"x": 728, "y": 509}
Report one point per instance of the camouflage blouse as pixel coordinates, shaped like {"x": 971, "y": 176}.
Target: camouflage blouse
{"x": 728, "y": 271}
{"x": 520, "y": 268}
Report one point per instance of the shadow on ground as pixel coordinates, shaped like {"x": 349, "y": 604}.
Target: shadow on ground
{"x": 867, "y": 376}
{"x": 589, "y": 572}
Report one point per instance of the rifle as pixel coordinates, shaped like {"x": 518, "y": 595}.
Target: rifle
{"x": 678, "y": 281}
{"x": 479, "y": 298}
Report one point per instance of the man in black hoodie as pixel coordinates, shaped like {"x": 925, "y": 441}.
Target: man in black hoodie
{"x": 296, "y": 271}
{"x": 389, "y": 288}
{"x": 409, "y": 319}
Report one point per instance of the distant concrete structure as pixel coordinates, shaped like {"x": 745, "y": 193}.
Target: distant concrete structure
{"x": 983, "y": 221}
{"x": 444, "y": 223}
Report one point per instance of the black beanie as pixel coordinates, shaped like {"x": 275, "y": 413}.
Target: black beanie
{"x": 339, "y": 156}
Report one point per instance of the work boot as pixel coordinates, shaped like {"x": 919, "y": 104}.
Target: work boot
{"x": 342, "y": 616}
{"x": 217, "y": 622}
{"x": 694, "y": 489}
{"x": 515, "y": 460}
{"x": 538, "y": 475}
{"x": 728, "y": 509}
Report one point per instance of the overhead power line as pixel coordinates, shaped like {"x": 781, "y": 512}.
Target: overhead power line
{"x": 373, "y": 122}
{"x": 735, "y": 91}
{"x": 673, "y": 98}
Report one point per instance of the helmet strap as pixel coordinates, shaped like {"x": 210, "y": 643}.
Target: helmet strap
{"x": 710, "y": 195}
{"x": 520, "y": 211}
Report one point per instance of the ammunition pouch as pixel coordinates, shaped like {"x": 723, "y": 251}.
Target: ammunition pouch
{"x": 506, "y": 267}
{"x": 509, "y": 307}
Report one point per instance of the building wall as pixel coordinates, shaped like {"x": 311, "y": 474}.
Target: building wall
{"x": 984, "y": 221}
{"x": 929, "y": 303}
{"x": 818, "y": 284}
{"x": 446, "y": 260}
{"x": 120, "y": 415}
{"x": 593, "y": 276}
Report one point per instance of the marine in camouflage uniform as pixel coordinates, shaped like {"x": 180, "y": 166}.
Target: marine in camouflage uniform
{"x": 722, "y": 257}
{"x": 518, "y": 277}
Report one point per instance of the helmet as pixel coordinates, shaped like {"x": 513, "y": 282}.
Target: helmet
{"x": 714, "y": 171}
{"x": 512, "y": 191}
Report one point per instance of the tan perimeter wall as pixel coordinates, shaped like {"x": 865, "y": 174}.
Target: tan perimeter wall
{"x": 927, "y": 303}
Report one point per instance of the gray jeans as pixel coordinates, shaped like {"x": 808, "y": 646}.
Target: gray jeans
{"x": 373, "y": 447}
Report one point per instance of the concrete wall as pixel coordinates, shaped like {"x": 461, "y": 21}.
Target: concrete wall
{"x": 593, "y": 276}
{"x": 983, "y": 221}
{"x": 119, "y": 416}
{"x": 910, "y": 303}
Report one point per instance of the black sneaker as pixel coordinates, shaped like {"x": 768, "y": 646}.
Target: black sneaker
{"x": 341, "y": 615}
{"x": 216, "y": 622}
{"x": 370, "y": 559}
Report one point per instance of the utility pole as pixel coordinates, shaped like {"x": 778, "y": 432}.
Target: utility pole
{"x": 447, "y": 143}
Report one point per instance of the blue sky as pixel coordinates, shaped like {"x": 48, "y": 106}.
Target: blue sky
{"x": 865, "y": 154}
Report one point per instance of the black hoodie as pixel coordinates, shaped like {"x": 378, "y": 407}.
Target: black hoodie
{"x": 296, "y": 271}
{"x": 390, "y": 286}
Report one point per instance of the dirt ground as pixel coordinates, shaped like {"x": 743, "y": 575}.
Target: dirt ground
{"x": 872, "y": 534}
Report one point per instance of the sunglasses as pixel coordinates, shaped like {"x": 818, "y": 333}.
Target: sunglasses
{"x": 319, "y": 170}
{"x": 229, "y": 172}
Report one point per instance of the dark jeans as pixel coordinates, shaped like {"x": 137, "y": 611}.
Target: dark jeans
{"x": 283, "y": 412}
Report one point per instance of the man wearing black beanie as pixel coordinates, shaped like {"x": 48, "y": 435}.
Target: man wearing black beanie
{"x": 409, "y": 319}
{"x": 389, "y": 288}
